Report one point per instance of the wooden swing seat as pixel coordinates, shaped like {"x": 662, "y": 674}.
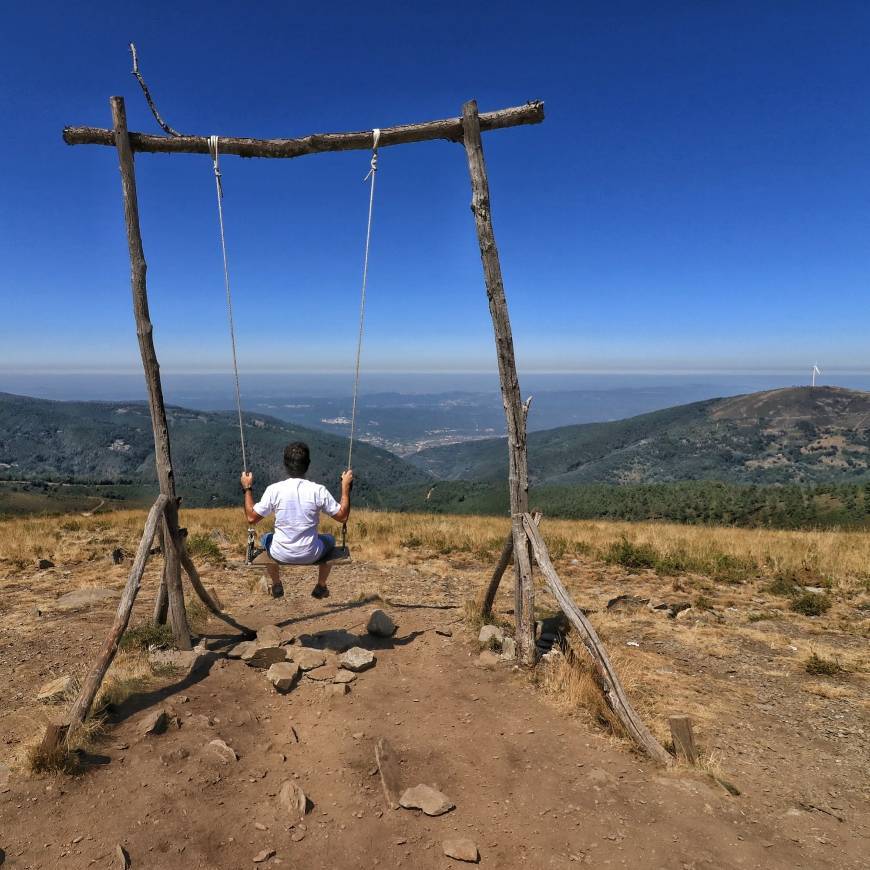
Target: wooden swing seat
{"x": 336, "y": 554}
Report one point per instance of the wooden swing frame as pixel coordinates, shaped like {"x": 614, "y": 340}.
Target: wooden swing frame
{"x": 525, "y": 541}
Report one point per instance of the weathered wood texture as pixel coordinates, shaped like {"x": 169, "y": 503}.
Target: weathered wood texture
{"x": 144, "y": 332}
{"x": 161, "y": 599}
{"x": 316, "y": 143}
{"x": 507, "y": 551}
{"x": 91, "y": 685}
{"x": 175, "y": 592}
{"x": 515, "y": 413}
{"x": 684, "y": 738}
{"x": 605, "y": 672}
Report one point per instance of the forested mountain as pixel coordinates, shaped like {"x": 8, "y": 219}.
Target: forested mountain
{"x": 112, "y": 443}
{"x": 801, "y": 435}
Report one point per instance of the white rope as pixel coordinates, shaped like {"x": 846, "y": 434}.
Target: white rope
{"x": 373, "y": 170}
{"x": 213, "y": 149}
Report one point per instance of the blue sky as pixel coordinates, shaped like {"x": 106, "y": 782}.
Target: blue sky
{"x": 698, "y": 197}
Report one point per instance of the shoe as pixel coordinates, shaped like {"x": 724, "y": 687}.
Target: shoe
{"x": 276, "y": 591}
{"x": 320, "y": 591}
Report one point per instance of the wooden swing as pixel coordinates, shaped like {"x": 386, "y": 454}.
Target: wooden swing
{"x": 258, "y": 557}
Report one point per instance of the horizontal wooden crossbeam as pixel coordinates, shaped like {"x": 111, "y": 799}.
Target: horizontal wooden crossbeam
{"x": 316, "y": 143}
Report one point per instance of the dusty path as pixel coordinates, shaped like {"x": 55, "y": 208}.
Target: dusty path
{"x": 532, "y": 787}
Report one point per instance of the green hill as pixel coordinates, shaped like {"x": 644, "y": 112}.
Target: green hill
{"x": 801, "y": 435}
{"x": 106, "y": 448}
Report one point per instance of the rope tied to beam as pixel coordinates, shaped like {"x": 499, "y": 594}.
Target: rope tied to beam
{"x": 372, "y": 173}
{"x": 214, "y": 150}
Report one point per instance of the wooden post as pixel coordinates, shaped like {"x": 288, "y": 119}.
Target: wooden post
{"x": 91, "y": 686}
{"x": 144, "y": 331}
{"x": 606, "y": 673}
{"x": 488, "y": 598}
{"x": 515, "y": 413}
{"x": 684, "y": 739}
{"x": 161, "y": 599}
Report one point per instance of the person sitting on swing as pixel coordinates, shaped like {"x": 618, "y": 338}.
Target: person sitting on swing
{"x": 297, "y": 504}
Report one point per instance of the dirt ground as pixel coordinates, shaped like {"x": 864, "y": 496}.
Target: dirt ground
{"x": 534, "y": 784}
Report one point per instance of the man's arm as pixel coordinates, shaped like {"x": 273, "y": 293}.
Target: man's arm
{"x": 247, "y": 481}
{"x": 346, "y": 486}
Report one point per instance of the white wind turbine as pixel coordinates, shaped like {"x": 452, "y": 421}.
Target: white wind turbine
{"x": 815, "y": 372}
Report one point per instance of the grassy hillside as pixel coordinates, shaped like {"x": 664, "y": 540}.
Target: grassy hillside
{"x": 106, "y": 450}
{"x": 801, "y": 435}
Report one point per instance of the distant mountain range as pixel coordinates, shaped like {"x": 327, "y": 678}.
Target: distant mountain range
{"x": 802, "y": 435}
{"x": 112, "y": 443}
{"x": 64, "y": 455}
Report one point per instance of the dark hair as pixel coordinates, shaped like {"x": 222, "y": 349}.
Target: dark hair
{"x": 297, "y": 458}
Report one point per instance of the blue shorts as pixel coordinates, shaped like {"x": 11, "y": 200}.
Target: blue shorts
{"x": 327, "y": 545}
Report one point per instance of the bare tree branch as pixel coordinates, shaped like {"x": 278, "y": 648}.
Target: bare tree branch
{"x": 157, "y": 117}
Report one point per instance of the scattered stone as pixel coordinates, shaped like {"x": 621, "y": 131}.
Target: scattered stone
{"x": 357, "y": 659}
{"x": 263, "y": 656}
{"x": 44, "y": 564}
{"x": 626, "y": 602}
{"x": 154, "y": 723}
{"x": 260, "y": 826}
{"x": 380, "y": 624}
{"x": 659, "y": 606}
{"x": 308, "y": 659}
{"x": 270, "y": 635}
{"x": 487, "y": 659}
{"x": 297, "y": 836}
{"x": 284, "y": 675}
{"x": 236, "y": 651}
{"x": 320, "y": 675}
{"x": 508, "y": 649}
{"x": 293, "y": 799}
{"x": 56, "y": 690}
{"x": 343, "y": 676}
{"x": 426, "y": 798}
{"x": 675, "y": 609}
{"x": 339, "y": 689}
{"x": 225, "y": 753}
{"x": 122, "y": 858}
{"x": 685, "y": 613}
{"x": 265, "y": 855}
{"x": 78, "y": 599}
{"x": 490, "y": 633}
{"x": 444, "y": 632}
{"x": 461, "y": 850}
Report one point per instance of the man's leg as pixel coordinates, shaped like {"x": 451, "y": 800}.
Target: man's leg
{"x": 323, "y": 574}
{"x": 273, "y": 576}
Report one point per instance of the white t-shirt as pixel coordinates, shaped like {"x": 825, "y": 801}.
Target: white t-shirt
{"x": 297, "y": 504}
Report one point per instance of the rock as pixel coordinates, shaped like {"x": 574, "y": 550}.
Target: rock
{"x": 308, "y": 659}
{"x": 338, "y": 689}
{"x": 508, "y": 649}
{"x": 271, "y": 635}
{"x": 265, "y": 855}
{"x": 293, "y": 799}
{"x": 675, "y": 609}
{"x": 78, "y": 599}
{"x": 224, "y": 752}
{"x": 154, "y": 723}
{"x": 174, "y": 756}
{"x": 263, "y": 656}
{"x": 487, "y": 659}
{"x": 553, "y": 655}
{"x": 56, "y": 690}
{"x": 626, "y": 602}
{"x": 321, "y": 675}
{"x": 490, "y": 633}
{"x": 659, "y": 606}
{"x": 426, "y": 798}
{"x": 380, "y": 624}
{"x": 685, "y": 613}
{"x": 122, "y": 858}
{"x": 238, "y": 650}
{"x": 444, "y": 632}
{"x": 357, "y": 659}
{"x": 44, "y": 564}
{"x": 462, "y": 850}
{"x": 284, "y": 675}
{"x": 344, "y": 676}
